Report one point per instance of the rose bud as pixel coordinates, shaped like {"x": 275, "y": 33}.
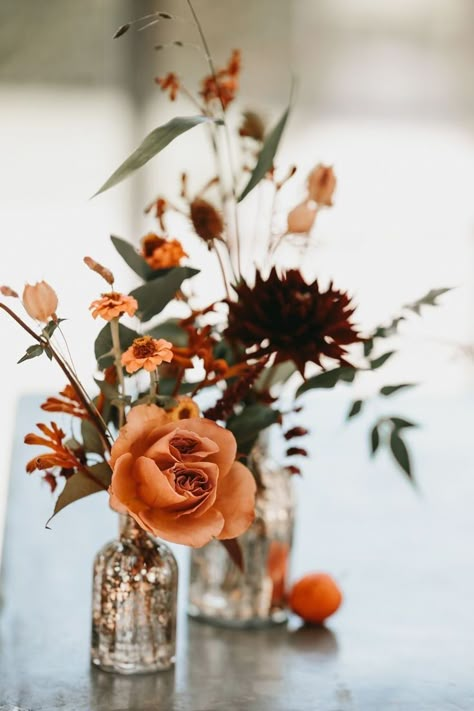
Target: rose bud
{"x": 302, "y": 217}
{"x": 321, "y": 185}
{"x": 40, "y": 301}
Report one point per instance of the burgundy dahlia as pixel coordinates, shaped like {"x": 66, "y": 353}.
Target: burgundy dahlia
{"x": 292, "y": 319}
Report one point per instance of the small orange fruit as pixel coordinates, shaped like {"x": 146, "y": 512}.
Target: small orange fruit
{"x": 315, "y": 597}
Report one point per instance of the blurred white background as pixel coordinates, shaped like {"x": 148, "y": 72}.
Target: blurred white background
{"x": 384, "y": 94}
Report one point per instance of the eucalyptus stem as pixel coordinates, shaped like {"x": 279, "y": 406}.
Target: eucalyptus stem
{"x": 117, "y": 352}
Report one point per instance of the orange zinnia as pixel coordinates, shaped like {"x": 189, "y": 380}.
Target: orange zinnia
{"x": 160, "y": 253}
{"x": 60, "y": 456}
{"x": 148, "y": 353}
{"x": 113, "y": 305}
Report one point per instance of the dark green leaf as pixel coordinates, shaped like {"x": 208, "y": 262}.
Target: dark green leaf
{"x": 328, "y": 379}
{"x": 122, "y": 30}
{"x": 51, "y": 326}
{"x": 399, "y": 423}
{"x": 355, "y": 409}
{"x": 368, "y": 346}
{"x": 32, "y": 352}
{"x": 151, "y": 146}
{"x": 107, "y": 389}
{"x": 400, "y": 452}
{"x": 267, "y": 154}
{"x": 388, "y": 390}
{"x": 153, "y": 296}
{"x": 80, "y": 485}
{"x": 249, "y": 423}
{"x": 171, "y": 331}
{"x": 381, "y": 360}
{"x": 103, "y": 344}
{"x": 130, "y": 255}
{"x": 91, "y": 438}
{"x": 374, "y": 439}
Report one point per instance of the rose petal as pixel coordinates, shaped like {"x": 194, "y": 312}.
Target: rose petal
{"x": 193, "y": 531}
{"x": 152, "y": 486}
{"x": 141, "y": 419}
{"x": 123, "y": 486}
{"x": 224, "y": 439}
{"x": 236, "y": 500}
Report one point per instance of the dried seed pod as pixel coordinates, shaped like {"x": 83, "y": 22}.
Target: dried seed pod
{"x": 99, "y": 269}
{"x": 206, "y": 220}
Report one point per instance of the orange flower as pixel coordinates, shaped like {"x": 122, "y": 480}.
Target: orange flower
{"x": 321, "y": 185}
{"x": 180, "y": 480}
{"x": 184, "y": 410}
{"x": 302, "y": 217}
{"x": 148, "y": 353}
{"x": 160, "y": 253}
{"x": 225, "y": 84}
{"x": 60, "y": 456}
{"x": 67, "y": 402}
{"x": 169, "y": 83}
{"x": 40, "y": 301}
{"x": 113, "y": 305}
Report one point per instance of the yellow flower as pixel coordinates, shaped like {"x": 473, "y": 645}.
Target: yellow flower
{"x": 40, "y": 301}
{"x": 185, "y": 409}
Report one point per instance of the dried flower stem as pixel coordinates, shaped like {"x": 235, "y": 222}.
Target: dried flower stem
{"x": 153, "y": 385}
{"x": 91, "y": 411}
{"x": 117, "y": 351}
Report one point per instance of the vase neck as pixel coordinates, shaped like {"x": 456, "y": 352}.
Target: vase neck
{"x": 129, "y": 528}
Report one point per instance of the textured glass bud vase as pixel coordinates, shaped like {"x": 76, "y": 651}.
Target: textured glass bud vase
{"x": 220, "y": 593}
{"x": 134, "y": 603}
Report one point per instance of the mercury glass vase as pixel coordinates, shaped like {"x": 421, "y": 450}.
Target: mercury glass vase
{"x": 219, "y": 592}
{"x": 134, "y": 603}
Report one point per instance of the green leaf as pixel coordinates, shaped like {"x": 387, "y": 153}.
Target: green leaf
{"x": 400, "y": 452}
{"x": 91, "y": 438}
{"x": 368, "y": 346}
{"x": 429, "y": 299}
{"x": 374, "y": 439}
{"x": 381, "y": 360}
{"x": 130, "y": 255}
{"x": 275, "y": 374}
{"x": 109, "y": 391}
{"x": 171, "y": 331}
{"x": 355, "y": 408}
{"x": 80, "y": 485}
{"x": 399, "y": 423}
{"x": 32, "y": 352}
{"x": 328, "y": 379}
{"x": 388, "y": 390}
{"x": 247, "y": 424}
{"x": 51, "y": 326}
{"x": 267, "y": 154}
{"x": 153, "y": 296}
{"x": 151, "y": 146}
{"x": 103, "y": 344}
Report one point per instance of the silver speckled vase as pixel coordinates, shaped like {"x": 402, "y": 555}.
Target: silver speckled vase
{"x": 220, "y": 593}
{"x": 134, "y": 603}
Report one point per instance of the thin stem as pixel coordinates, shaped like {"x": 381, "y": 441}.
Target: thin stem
{"x": 179, "y": 380}
{"x": 77, "y": 388}
{"x": 153, "y": 385}
{"x": 221, "y": 265}
{"x": 117, "y": 351}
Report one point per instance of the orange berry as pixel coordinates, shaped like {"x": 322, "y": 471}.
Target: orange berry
{"x": 315, "y": 597}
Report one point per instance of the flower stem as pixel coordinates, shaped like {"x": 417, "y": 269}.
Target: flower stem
{"x": 153, "y": 386}
{"x": 117, "y": 351}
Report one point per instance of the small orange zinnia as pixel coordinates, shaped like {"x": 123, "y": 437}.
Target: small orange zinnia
{"x": 148, "y": 353}
{"x": 160, "y": 253}
{"x": 113, "y": 305}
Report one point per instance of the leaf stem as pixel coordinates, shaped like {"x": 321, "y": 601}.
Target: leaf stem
{"x": 117, "y": 351}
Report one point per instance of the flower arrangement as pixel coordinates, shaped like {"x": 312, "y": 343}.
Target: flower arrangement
{"x": 181, "y": 472}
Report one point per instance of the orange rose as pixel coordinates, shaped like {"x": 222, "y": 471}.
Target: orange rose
{"x": 40, "y": 301}
{"x": 179, "y": 480}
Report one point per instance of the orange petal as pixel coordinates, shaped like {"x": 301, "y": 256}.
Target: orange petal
{"x": 193, "y": 531}
{"x": 236, "y": 500}
{"x": 152, "y": 486}
{"x": 123, "y": 485}
{"x": 223, "y": 438}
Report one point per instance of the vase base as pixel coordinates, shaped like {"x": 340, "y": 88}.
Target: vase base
{"x": 130, "y": 669}
{"x": 276, "y": 618}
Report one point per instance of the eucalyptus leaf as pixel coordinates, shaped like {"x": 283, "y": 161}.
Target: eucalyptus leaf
{"x": 32, "y": 352}
{"x": 130, "y": 255}
{"x": 91, "y": 438}
{"x": 80, "y": 485}
{"x": 388, "y": 390}
{"x": 374, "y": 439}
{"x": 356, "y": 407}
{"x": 400, "y": 452}
{"x": 158, "y": 139}
{"x": 381, "y": 360}
{"x": 153, "y": 296}
{"x": 328, "y": 379}
{"x": 247, "y": 424}
{"x": 400, "y": 423}
{"x": 103, "y": 344}
{"x": 266, "y": 155}
{"x": 171, "y": 331}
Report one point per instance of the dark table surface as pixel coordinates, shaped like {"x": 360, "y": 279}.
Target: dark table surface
{"x": 404, "y": 638}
